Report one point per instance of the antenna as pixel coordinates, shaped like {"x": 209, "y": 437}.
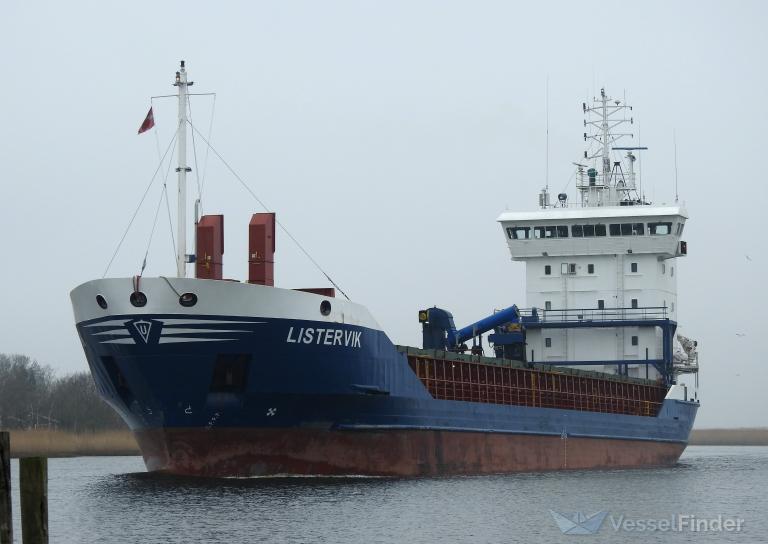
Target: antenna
{"x": 604, "y": 185}
{"x": 546, "y": 169}
{"x": 674, "y": 142}
{"x": 640, "y": 165}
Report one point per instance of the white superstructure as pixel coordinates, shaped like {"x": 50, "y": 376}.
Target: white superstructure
{"x": 610, "y": 256}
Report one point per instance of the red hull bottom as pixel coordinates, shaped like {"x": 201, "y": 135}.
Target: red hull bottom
{"x": 260, "y": 452}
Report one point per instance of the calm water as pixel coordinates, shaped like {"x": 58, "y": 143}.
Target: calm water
{"x": 112, "y": 499}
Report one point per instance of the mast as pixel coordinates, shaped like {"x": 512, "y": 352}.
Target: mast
{"x": 604, "y": 128}
{"x": 182, "y": 169}
{"x": 606, "y": 184}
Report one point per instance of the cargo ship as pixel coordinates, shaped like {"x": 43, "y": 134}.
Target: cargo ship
{"x": 226, "y": 378}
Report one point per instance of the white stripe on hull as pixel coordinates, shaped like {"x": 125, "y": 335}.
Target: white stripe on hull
{"x": 177, "y": 340}
{"x": 169, "y": 330}
{"x": 206, "y": 322}
{"x": 113, "y": 332}
{"x": 111, "y": 323}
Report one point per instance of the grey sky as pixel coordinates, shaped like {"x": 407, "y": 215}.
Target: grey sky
{"x": 387, "y": 136}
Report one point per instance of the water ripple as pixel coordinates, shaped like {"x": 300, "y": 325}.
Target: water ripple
{"x": 113, "y": 500}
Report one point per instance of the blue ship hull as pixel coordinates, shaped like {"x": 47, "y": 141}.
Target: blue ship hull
{"x": 231, "y": 396}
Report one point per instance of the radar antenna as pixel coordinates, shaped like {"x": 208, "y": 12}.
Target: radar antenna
{"x": 607, "y": 185}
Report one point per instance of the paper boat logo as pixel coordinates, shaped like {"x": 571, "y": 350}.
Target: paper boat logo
{"x": 143, "y": 328}
{"x": 576, "y": 523}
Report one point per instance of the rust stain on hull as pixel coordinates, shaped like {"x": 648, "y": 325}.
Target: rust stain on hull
{"x": 261, "y": 452}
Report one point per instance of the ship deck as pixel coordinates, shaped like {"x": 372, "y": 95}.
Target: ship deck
{"x": 471, "y": 378}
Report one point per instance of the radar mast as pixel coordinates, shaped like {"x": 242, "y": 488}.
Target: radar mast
{"x": 607, "y": 183}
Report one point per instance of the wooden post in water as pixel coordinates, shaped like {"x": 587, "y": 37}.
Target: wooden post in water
{"x": 6, "y": 519}
{"x": 33, "y": 482}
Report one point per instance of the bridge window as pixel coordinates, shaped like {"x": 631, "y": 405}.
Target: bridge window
{"x": 567, "y": 268}
{"x": 659, "y": 228}
{"x": 627, "y": 229}
{"x": 548, "y": 232}
{"x": 547, "y": 270}
{"x": 587, "y": 231}
{"x": 519, "y": 233}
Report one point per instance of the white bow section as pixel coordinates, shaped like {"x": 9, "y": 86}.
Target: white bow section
{"x": 214, "y": 298}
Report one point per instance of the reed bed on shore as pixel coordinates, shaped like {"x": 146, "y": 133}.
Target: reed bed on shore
{"x": 50, "y": 443}
{"x": 729, "y": 437}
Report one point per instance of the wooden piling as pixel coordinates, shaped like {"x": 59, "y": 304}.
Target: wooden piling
{"x": 6, "y": 518}
{"x": 33, "y": 482}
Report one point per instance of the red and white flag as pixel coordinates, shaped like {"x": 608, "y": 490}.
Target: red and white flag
{"x": 148, "y": 123}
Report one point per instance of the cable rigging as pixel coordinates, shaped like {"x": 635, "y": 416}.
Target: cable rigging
{"x": 263, "y": 205}
{"x": 136, "y": 211}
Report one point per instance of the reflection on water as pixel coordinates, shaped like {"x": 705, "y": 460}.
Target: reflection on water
{"x": 111, "y": 499}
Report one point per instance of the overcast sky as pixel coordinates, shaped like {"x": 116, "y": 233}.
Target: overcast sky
{"x": 387, "y": 136}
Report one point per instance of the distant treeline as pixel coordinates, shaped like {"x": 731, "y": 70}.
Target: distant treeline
{"x": 33, "y": 397}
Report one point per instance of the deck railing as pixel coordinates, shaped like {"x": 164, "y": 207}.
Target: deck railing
{"x": 598, "y": 314}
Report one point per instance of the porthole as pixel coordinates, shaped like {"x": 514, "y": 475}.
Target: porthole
{"x": 101, "y": 301}
{"x": 138, "y": 299}
{"x": 188, "y": 299}
{"x": 325, "y": 307}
